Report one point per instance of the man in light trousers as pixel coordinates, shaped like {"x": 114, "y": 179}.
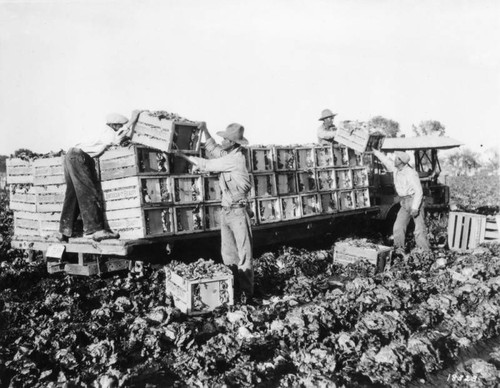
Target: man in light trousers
{"x": 409, "y": 190}
{"x": 236, "y": 231}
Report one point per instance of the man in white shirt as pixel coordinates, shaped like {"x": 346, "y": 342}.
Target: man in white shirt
{"x": 409, "y": 190}
{"x": 83, "y": 193}
{"x": 327, "y": 131}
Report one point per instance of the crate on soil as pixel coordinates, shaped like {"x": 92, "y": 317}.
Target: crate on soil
{"x": 349, "y": 252}
{"x": 199, "y": 296}
{"x": 465, "y": 230}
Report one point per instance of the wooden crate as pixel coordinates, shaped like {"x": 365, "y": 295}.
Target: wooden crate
{"x": 211, "y": 189}
{"x": 285, "y": 159}
{"x": 310, "y": 204}
{"x": 346, "y": 200}
{"x": 355, "y": 158}
{"x": 187, "y": 189}
{"x": 343, "y": 179}
{"x": 305, "y": 158}
{"x": 329, "y": 202}
{"x": 290, "y": 207}
{"x": 19, "y": 171}
{"x": 262, "y": 159}
{"x": 353, "y": 134}
{"x": 265, "y": 185}
{"x": 268, "y": 210}
{"x": 188, "y": 219}
{"x": 49, "y": 171}
{"x": 340, "y": 156}
{"x": 151, "y": 161}
{"x": 326, "y": 179}
{"x": 135, "y": 223}
{"x": 22, "y": 197}
{"x": 50, "y": 198}
{"x": 161, "y": 133}
{"x": 346, "y": 253}
{"x": 465, "y": 230}
{"x": 201, "y": 295}
{"x": 307, "y": 181}
{"x": 324, "y": 156}
{"x": 491, "y": 229}
{"x": 212, "y": 214}
{"x": 156, "y": 190}
{"x": 287, "y": 183}
{"x": 121, "y": 162}
{"x": 26, "y": 224}
{"x": 361, "y": 198}
{"x": 359, "y": 177}
{"x": 49, "y": 223}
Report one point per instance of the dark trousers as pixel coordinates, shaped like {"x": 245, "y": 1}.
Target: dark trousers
{"x": 83, "y": 194}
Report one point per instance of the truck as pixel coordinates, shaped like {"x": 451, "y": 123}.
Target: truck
{"x": 163, "y": 210}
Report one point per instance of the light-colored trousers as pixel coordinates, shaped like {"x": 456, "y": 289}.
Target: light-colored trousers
{"x": 403, "y": 219}
{"x": 237, "y": 246}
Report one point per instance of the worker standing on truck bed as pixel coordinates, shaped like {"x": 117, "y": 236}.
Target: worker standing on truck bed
{"x": 236, "y": 230}
{"x": 83, "y": 193}
{"x": 409, "y": 190}
{"x": 327, "y": 130}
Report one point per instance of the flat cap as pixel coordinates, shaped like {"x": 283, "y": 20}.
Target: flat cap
{"x": 116, "y": 118}
{"x": 403, "y": 156}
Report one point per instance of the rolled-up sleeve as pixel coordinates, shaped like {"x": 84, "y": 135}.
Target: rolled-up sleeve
{"x": 213, "y": 149}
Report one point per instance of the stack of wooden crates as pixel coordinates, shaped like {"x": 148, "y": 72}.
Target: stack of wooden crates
{"x": 149, "y": 192}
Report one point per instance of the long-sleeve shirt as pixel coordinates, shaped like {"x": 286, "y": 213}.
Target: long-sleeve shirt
{"x": 406, "y": 180}
{"x": 234, "y": 179}
{"x": 326, "y": 135}
{"x": 107, "y": 137}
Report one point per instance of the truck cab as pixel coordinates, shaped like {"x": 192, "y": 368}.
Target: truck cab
{"x": 426, "y": 163}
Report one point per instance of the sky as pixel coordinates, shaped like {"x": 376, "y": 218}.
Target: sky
{"x": 272, "y": 66}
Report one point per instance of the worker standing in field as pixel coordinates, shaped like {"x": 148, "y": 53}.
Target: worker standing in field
{"x": 229, "y": 160}
{"x": 409, "y": 190}
{"x": 327, "y": 130}
{"x": 83, "y": 192}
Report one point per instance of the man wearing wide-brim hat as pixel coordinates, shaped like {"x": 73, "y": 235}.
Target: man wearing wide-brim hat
{"x": 236, "y": 231}
{"x": 409, "y": 190}
{"x": 327, "y": 130}
{"x": 83, "y": 194}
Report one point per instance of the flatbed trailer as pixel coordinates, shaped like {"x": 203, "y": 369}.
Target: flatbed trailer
{"x": 83, "y": 254}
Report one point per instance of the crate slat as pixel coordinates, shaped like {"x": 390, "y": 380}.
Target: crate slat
{"x": 465, "y": 230}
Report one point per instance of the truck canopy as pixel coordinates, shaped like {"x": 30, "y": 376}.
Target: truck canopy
{"x": 419, "y": 143}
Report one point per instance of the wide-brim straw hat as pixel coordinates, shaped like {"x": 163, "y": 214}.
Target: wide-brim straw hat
{"x": 234, "y": 132}
{"x": 325, "y": 113}
{"x": 116, "y": 118}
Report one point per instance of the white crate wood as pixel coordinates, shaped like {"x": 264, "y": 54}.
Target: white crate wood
{"x": 491, "y": 229}
{"x": 19, "y": 171}
{"x": 119, "y": 163}
{"x": 287, "y": 183}
{"x": 340, "y": 156}
{"x": 187, "y": 189}
{"x": 346, "y": 253}
{"x": 212, "y": 216}
{"x": 305, "y": 158}
{"x": 268, "y": 210}
{"x": 26, "y": 224}
{"x": 307, "y": 181}
{"x": 264, "y": 185}
{"x": 135, "y": 223}
{"x": 286, "y": 159}
{"x": 346, "y": 200}
{"x": 329, "y": 202}
{"x": 465, "y": 230}
{"x": 201, "y": 295}
{"x": 310, "y": 204}
{"x": 359, "y": 177}
{"x": 49, "y": 223}
{"x": 326, "y": 179}
{"x": 22, "y": 197}
{"x": 211, "y": 188}
{"x": 50, "y": 198}
{"x": 290, "y": 207}
{"x": 156, "y": 190}
{"x": 324, "y": 156}
{"x": 124, "y": 193}
{"x": 49, "y": 171}
{"x": 361, "y": 198}
{"x": 353, "y": 134}
{"x": 262, "y": 159}
{"x": 188, "y": 219}
{"x": 343, "y": 178}
{"x": 156, "y": 131}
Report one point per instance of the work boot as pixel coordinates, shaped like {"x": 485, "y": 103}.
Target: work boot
{"x": 105, "y": 235}
{"x": 60, "y": 237}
